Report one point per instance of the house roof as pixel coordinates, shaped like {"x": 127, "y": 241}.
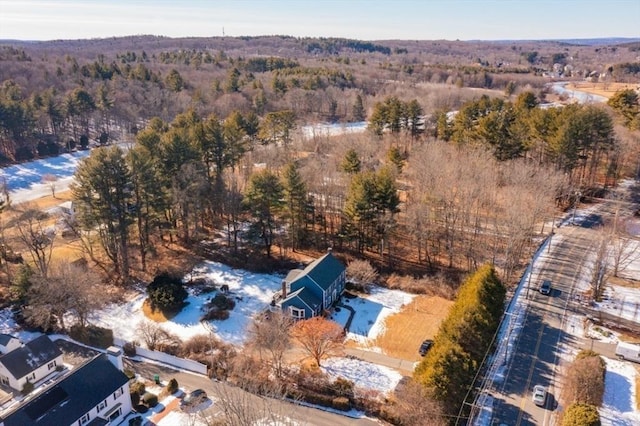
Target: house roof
{"x": 5, "y": 338}
{"x": 71, "y": 397}
{"x": 293, "y": 274}
{"x": 27, "y": 358}
{"x": 306, "y": 296}
{"x": 323, "y": 270}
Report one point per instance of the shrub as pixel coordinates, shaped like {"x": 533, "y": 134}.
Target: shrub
{"x": 343, "y": 387}
{"x": 215, "y": 315}
{"x": 585, "y": 379}
{"x": 581, "y": 415}
{"x": 129, "y": 349}
{"x": 150, "y": 399}
{"x": 136, "y": 421}
{"x": 92, "y": 335}
{"x": 172, "y": 386}
{"x": 199, "y": 343}
{"x": 27, "y": 388}
{"x": 140, "y": 408}
{"x": 166, "y": 293}
{"x": 223, "y": 302}
{"x": 135, "y": 398}
{"x": 137, "y": 387}
{"x": 341, "y": 403}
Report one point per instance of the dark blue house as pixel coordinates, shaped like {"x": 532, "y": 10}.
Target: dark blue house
{"x": 309, "y": 291}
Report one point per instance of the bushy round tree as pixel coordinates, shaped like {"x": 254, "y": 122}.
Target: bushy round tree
{"x": 166, "y": 292}
{"x": 581, "y": 415}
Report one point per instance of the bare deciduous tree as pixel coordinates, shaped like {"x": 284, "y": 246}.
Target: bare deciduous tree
{"x": 319, "y": 337}
{"x": 37, "y": 237}
{"x": 414, "y": 406}
{"x": 601, "y": 270}
{"x": 69, "y": 289}
{"x": 362, "y": 273}
{"x": 50, "y": 180}
{"x": 624, "y": 249}
{"x": 271, "y": 335}
{"x": 585, "y": 381}
{"x": 153, "y": 335}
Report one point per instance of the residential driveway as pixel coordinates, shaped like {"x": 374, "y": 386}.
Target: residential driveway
{"x": 227, "y": 398}
{"x": 402, "y": 365}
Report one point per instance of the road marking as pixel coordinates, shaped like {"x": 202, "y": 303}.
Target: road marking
{"x": 531, "y": 369}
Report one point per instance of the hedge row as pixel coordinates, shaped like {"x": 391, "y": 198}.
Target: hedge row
{"x": 463, "y": 339}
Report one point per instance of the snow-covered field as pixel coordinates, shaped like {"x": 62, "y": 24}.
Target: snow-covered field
{"x": 619, "y": 406}
{"x": 333, "y": 129}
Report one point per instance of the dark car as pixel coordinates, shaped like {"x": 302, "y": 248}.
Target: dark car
{"x": 194, "y": 398}
{"x": 545, "y": 287}
{"x": 425, "y": 346}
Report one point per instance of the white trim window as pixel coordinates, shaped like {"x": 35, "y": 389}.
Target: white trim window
{"x": 118, "y": 393}
{"x": 102, "y": 405}
{"x": 84, "y": 419}
{"x": 296, "y": 313}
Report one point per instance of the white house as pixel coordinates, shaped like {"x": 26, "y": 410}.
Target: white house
{"x": 8, "y": 343}
{"x": 30, "y": 362}
{"x": 95, "y": 393}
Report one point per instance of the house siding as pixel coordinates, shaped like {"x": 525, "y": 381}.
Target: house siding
{"x": 124, "y": 399}
{"x": 324, "y": 279}
{"x": 34, "y": 376}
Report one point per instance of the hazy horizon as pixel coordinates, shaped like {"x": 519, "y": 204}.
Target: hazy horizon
{"x": 488, "y": 20}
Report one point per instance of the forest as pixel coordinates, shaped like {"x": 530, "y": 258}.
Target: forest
{"x": 467, "y": 152}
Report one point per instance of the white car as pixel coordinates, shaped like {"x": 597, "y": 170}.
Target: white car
{"x": 539, "y": 395}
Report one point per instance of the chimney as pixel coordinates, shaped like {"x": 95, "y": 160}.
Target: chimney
{"x": 284, "y": 289}
{"x": 114, "y": 354}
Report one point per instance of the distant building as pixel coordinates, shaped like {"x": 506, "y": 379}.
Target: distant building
{"x": 307, "y": 292}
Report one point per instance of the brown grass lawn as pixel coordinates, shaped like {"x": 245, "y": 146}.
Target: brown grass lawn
{"x": 418, "y": 320}
{"x": 602, "y": 89}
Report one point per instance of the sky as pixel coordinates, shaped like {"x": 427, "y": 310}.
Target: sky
{"x": 359, "y": 19}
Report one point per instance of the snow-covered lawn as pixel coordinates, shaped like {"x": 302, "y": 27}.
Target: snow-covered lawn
{"x": 251, "y": 292}
{"x": 363, "y": 374}
{"x": 619, "y": 406}
{"x": 371, "y": 311}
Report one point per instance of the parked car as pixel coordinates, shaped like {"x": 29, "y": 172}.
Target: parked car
{"x": 194, "y": 398}
{"x": 425, "y": 346}
{"x": 545, "y": 287}
{"x": 539, "y": 395}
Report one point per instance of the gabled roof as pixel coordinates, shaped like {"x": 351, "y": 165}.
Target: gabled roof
{"x": 292, "y": 275}
{"x": 25, "y": 359}
{"x": 5, "y": 338}
{"x": 306, "y": 296}
{"x": 71, "y": 397}
{"x": 323, "y": 270}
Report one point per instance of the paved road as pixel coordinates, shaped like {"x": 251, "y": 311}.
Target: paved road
{"x": 229, "y": 398}
{"x": 542, "y": 350}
